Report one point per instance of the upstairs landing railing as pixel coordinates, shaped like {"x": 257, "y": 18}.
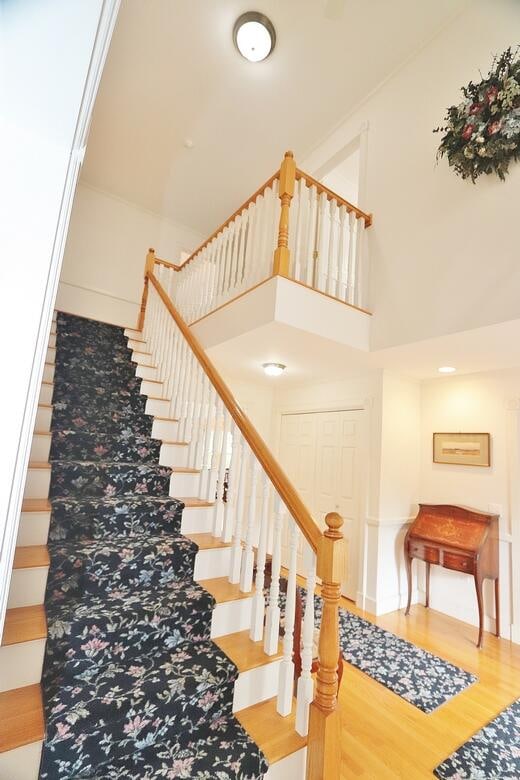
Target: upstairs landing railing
{"x": 293, "y": 226}
{"x": 258, "y": 511}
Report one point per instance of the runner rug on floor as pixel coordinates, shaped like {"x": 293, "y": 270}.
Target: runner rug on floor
{"x": 493, "y": 753}
{"x": 423, "y": 679}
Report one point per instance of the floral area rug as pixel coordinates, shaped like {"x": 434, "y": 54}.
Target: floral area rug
{"x": 493, "y": 753}
{"x": 133, "y": 685}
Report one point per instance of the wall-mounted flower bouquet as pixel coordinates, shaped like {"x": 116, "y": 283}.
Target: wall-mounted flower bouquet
{"x": 482, "y": 134}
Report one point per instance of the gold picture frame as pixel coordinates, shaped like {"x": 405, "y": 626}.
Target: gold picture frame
{"x": 462, "y": 449}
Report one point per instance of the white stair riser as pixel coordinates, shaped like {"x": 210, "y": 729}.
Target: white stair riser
{"x": 51, "y": 355}
{"x": 37, "y": 483}
{"x": 43, "y": 418}
{"x": 165, "y": 429}
{"x": 157, "y": 407}
{"x": 141, "y": 359}
{"x": 48, "y": 373}
{"x": 173, "y": 455}
{"x": 231, "y": 616}
{"x": 139, "y": 346}
{"x": 292, "y": 767}
{"x": 27, "y": 587}
{"x": 52, "y": 340}
{"x": 46, "y": 394}
{"x": 33, "y": 528}
{"x": 256, "y": 685}
{"x": 40, "y": 447}
{"x": 212, "y": 563}
{"x": 146, "y": 372}
{"x": 149, "y": 387}
{"x": 131, "y": 333}
{"x": 197, "y": 520}
{"x": 183, "y": 484}
{"x": 21, "y": 664}
{"x": 22, "y": 763}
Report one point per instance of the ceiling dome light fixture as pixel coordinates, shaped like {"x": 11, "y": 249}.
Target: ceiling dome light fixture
{"x": 254, "y": 36}
{"x": 273, "y": 369}
{"x": 446, "y": 370}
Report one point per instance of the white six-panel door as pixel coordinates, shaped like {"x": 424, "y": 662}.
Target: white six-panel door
{"x": 320, "y": 451}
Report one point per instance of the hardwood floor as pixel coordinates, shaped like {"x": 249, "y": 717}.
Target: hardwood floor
{"x": 383, "y": 736}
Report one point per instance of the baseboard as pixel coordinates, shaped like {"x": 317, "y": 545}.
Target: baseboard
{"x": 391, "y": 603}
{"x": 96, "y": 305}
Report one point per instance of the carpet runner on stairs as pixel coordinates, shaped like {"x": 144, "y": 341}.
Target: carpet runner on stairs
{"x": 133, "y": 685}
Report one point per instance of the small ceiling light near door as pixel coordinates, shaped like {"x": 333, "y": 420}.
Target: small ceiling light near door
{"x": 254, "y": 36}
{"x": 273, "y": 369}
{"x": 446, "y": 370}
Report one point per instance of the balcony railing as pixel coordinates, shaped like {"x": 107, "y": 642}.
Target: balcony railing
{"x": 293, "y": 226}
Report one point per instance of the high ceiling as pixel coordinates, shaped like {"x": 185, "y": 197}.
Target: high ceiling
{"x": 173, "y": 74}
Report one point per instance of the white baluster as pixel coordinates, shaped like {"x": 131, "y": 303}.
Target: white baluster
{"x": 258, "y": 607}
{"x": 213, "y": 452}
{"x": 218, "y": 512}
{"x": 305, "y": 691}
{"x": 246, "y": 571}
{"x": 286, "y": 679}
{"x": 272, "y": 622}
{"x": 323, "y": 243}
{"x": 311, "y": 238}
{"x": 351, "y": 257}
{"x": 236, "y": 548}
{"x": 332, "y": 269}
{"x": 343, "y": 254}
{"x": 232, "y": 489}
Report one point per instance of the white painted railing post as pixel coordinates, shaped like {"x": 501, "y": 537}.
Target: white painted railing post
{"x": 272, "y": 623}
{"x": 232, "y": 487}
{"x": 236, "y": 549}
{"x": 246, "y": 571}
{"x": 258, "y": 606}
{"x": 286, "y": 681}
{"x": 305, "y": 692}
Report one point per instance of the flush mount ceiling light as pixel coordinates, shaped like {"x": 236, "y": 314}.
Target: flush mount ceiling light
{"x": 273, "y": 369}
{"x": 446, "y": 370}
{"x": 254, "y": 36}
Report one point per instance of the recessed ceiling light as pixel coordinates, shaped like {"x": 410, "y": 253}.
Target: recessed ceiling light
{"x": 446, "y": 370}
{"x": 273, "y": 369}
{"x": 254, "y": 36}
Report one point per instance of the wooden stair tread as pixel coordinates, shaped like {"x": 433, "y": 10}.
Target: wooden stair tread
{"x": 42, "y": 433}
{"x": 167, "y": 419}
{"x": 195, "y": 502}
{"x": 178, "y": 443}
{"x": 36, "y": 505}
{"x": 156, "y": 397}
{"x": 245, "y": 653}
{"x": 39, "y": 464}
{"x": 140, "y": 351}
{"x": 275, "y": 736}
{"x": 155, "y": 381}
{"x": 185, "y": 470}
{"x": 206, "y": 541}
{"x": 33, "y": 556}
{"x": 46, "y": 382}
{"x": 24, "y": 624}
{"x": 21, "y": 717}
{"x": 44, "y": 406}
{"x": 222, "y": 590}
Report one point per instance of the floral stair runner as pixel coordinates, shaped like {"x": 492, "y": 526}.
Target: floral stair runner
{"x": 133, "y": 685}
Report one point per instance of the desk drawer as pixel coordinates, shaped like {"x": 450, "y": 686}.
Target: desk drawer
{"x": 424, "y": 552}
{"x": 458, "y": 562}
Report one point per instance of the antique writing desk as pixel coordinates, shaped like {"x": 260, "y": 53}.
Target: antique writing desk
{"x": 456, "y": 538}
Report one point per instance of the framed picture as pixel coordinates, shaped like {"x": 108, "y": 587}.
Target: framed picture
{"x": 462, "y": 449}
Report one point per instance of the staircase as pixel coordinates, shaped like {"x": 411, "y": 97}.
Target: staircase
{"x": 152, "y": 511}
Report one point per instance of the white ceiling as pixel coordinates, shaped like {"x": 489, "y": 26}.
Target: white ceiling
{"x": 172, "y": 73}
{"x": 310, "y": 358}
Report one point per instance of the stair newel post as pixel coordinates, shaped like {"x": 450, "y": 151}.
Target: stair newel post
{"x": 236, "y": 549}
{"x": 286, "y": 679}
{"x": 286, "y": 192}
{"x": 232, "y": 485}
{"x": 305, "y": 690}
{"x": 246, "y": 571}
{"x": 258, "y": 606}
{"x": 272, "y": 621}
{"x": 218, "y": 494}
{"x": 148, "y": 268}
{"x": 323, "y": 755}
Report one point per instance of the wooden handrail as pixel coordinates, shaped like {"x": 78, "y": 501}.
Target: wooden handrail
{"x": 230, "y": 219}
{"x": 279, "y": 479}
{"x": 167, "y": 264}
{"x": 321, "y": 188}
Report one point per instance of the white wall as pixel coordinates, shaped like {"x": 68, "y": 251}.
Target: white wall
{"x": 102, "y": 274}
{"x": 257, "y": 402}
{"x": 489, "y": 403}
{"x": 443, "y": 253}
{"x": 51, "y": 56}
